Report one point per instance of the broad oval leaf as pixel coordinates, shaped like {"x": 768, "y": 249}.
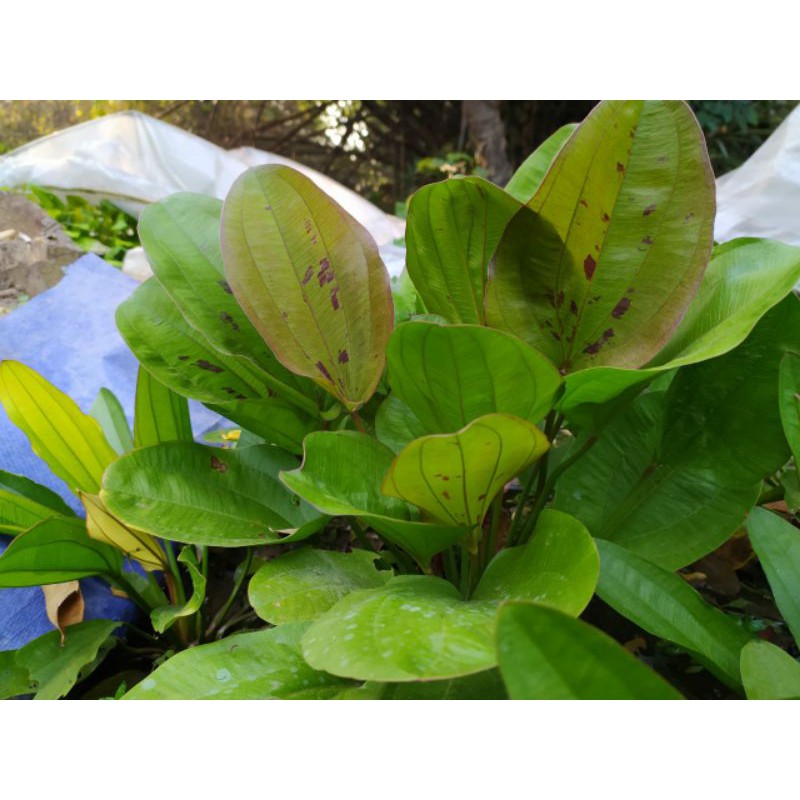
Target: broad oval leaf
{"x": 453, "y": 229}
{"x": 396, "y": 425}
{"x": 663, "y": 503}
{"x": 202, "y": 495}
{"x": 56, "y": 550}
{"x": 30, "y": 490}
{"x": 487, "y": 685}
{"x": 455, "y": 477}
{"x": 71, "y": 442}
{"x": 769, "y": 673}
{"x": 668, "y": 607}
{"x": 301, "y": 585}
{"x": 558, "y": 567}
{"x": 601, "y": 266}
{"x": 55, "y": 666}
{"x": 547, "y": 655}
{"x": 449, "y": 375}
{"x": 416, "y": 627}
{"x": 247, "y": 666}
{"x": 180, "y": 356}
{"x": 356, "y": 491}
{"x": 777, "y": 545}
{"x": 310, "y": 279}
{"x": 744, "y": 280}
{"x": 528, "y": 178}
{"x": 181, "y": 236}
{"x": 19, "y": 512}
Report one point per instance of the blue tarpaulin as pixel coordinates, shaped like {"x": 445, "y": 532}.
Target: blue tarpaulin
{"x": 69, "y": 336}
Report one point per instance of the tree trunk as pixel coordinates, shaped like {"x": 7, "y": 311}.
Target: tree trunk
{"x": 488, "y": 135}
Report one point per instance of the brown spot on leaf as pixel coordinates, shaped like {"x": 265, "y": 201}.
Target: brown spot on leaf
{"x": 662, "y": 159}
{"x": 284, "y": 315}
{"x": 325, "y": 274}
{"x": 219, "y": 466}
{"x": 689, "y": 216}
{"x": 556, "y": 336}
{"x": 229, "y": 390}
{"x": 446, "y": 494}
{"x": 309, "y": 274}
{"x": 594, "y": 348}
{"x": 647, "y": 240}
{"x": 321, "y": 367}
{"x": 589, "y": 266}
{"x": 481, "y": 497}
{"x": 584, "y": 204}
{"x": 649, "y": 210}
{"x": 226, "y": 286}
{"x": 228, "y": 319}
{"x": 208, "y": 366}
{"x": 344, "y": 357}
{"x": 183, "y": 358}
{"x": 620, "y": 167}
{"x": 573, "y": 307}
{"x": 267, "y": 208}
{"x": 605, "y": 217}
{"x": 335, "y": 298}
{"x": 621, "y": 307}
{"x": 559, "y": 300}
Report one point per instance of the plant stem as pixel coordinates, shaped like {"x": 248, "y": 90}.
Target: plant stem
{"x": 243, "y": 569}
{"x": 490, "y": 542}
{"x": 200, "y": 617}
{"x": 544, "y": 494}
{"x": 358, "y": 422}
{"x": 450, "y": 567}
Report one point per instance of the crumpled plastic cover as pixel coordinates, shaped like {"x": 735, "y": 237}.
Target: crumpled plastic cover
{"x": 134, "y": 159}
{"x": 762, "y": 197}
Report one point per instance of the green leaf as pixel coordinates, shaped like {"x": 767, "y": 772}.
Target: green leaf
{"x": 26, "y": 488}
{"x": 71, "y": 442}
{"x": 160, "y": 415}
{"x": 418, "y": 627}
{"x": 547, "y": 655}
{"x": 14, "y": 679}
{"x": 744, "y": 280}
{"x": 395, "y": 424}
{"x": 667, "y": 509}
{"x": 455, "y": 477}
{"x": 179, "y": 355}
{"x": 310, "y": 279}
{"x": 603, "y": 263}
{"x": 301, "y": 585}
{"x": 18, "y": 513}
{"x": 104, "y": 527}
{"x": 108, "y": 411}
{"x": 487, "y": 685}
{"x": 56, "y": 551}
{"x": 769, "y": 673}
{"x": 181, "y": 236}
{"x": 777, "y": 545}
{"x": 202, "y": 495}
{"x": 451, "y": 375}
{"x": 528, "y": 178}
{"x": 165, "y": 616}
{"x": 789, "y": 397}
{"x": 54, "y": 668}
{"x": 558, "y": 567}
{"x": 276, "y": 421}
{"x": 452, "y": 231}
{"x": 356, "y": 491}
{"x": 666, "y": 606}
{"x": 415, "y": 627}
{"x": 247, "y": 666}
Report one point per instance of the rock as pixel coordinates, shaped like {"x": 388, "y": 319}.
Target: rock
{"x": 33, "y": 250}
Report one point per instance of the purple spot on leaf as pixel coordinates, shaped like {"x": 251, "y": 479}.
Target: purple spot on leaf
{"x": 321, "y": 367}
{"x": 647, "y": 240}
{"x": 335, "y": 298}
{"x": 309, "y": 274}
{"x": 573, "y": 307}
{"x": 589, "y": 266}
{"x": 226, "y": 286}
{"x": 343, "y": 357}
{"x": 325, "y": 274}
{"x": 621, "y": 307}
{"x": 208, "y": 366}
{"x": 649, "y": 210}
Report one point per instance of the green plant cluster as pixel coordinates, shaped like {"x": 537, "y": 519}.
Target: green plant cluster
{"x": 574, "y": 395}
{"x": 103, "y": 228}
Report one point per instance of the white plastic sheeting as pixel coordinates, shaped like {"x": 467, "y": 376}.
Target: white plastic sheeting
{"x": 762, "y": 197}
{"x": 134, "y": 159}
